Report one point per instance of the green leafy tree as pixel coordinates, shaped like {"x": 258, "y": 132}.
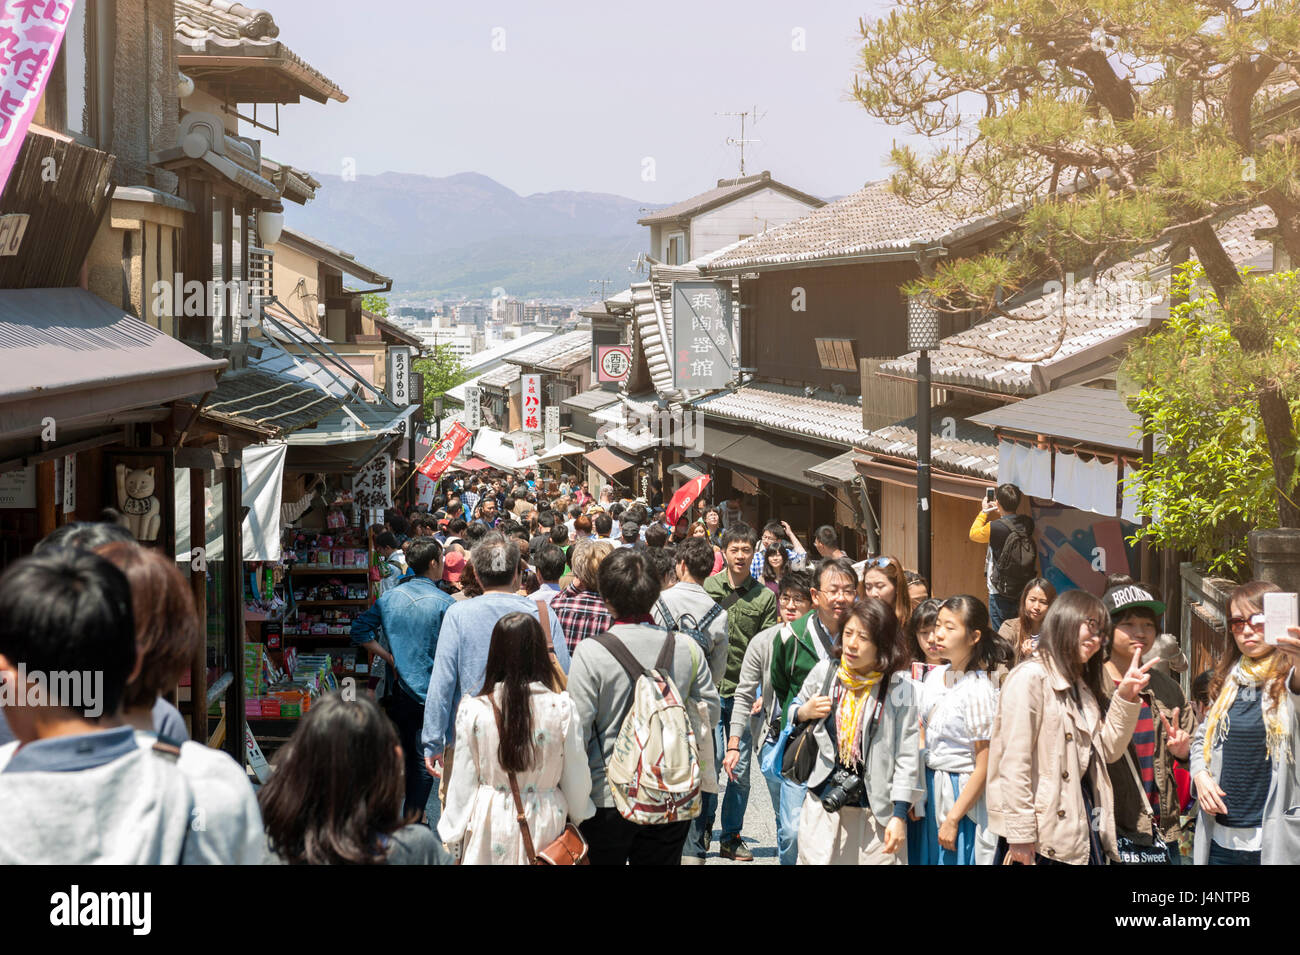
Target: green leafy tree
{"x": 375, "y": 303}
{"x": 442, "y": 370}
{"x": 1109, "y": 125}
{"x": 1211, "y": 478}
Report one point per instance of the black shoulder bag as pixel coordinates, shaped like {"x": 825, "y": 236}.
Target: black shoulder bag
{"x": 801, "y": 746}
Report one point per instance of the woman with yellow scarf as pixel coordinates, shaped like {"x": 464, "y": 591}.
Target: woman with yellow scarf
{"x": 1244, "y": 754}
{"x": 867, "y": 730}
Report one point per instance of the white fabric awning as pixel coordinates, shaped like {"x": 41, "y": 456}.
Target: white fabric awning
{"x": 498, "y": 450}
{"x": 559, "y": 451}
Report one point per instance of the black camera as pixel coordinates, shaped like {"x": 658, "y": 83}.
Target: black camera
{"x": 846, "y": 787}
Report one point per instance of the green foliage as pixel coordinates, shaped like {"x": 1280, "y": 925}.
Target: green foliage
{"x": 442, "y": 370}
{"x": 1036, "y": 103}
{"x": 375, "y": 303}
{"x": 1212, "y": 479}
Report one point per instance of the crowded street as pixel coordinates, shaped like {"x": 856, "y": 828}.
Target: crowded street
{"x": 858, "y": 435}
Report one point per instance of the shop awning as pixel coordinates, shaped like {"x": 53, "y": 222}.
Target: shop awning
{"x": 688, "y": 470}
{"x": 268, "y": 401}
{"x": 781, "y": 463}
{"x": 953, "y": 485}
{"x": 70, "y": 356}
{"x": 345, "y": 442}
{"x": 498, "y": 451}
{"x": 836, "y": 470}
{"x": 561, "y": 450}
{"x": 1093, "y": 416}
{"x": 609, "y": 462}
{"x": 471, "y": 464}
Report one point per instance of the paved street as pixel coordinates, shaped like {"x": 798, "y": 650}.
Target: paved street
{"x": 760, "y": 826}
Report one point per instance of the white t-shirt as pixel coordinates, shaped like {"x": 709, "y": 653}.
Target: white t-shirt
{"x": 956, "y": 712}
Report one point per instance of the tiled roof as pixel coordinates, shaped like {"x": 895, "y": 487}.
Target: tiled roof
{"x": 1095, "y": 416}
{"x": 501, "y": 377}
{"x": 836, "y": 470}
{"x": 727, "y": 190}
{"x": 222, "y": 28}
{"x": 1011, "y": 355}
{"x": 870, "y": 221}
{"x": 824, "y": 416}
{"x": 971, "y": 449}
{"x": 592, "y": 399}
{"x": 555, "y": 353}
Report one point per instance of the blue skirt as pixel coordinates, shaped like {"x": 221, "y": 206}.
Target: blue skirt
{"x": 930, "y": 852}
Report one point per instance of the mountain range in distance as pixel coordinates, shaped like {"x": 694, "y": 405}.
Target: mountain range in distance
{"x": 467, "y": 235}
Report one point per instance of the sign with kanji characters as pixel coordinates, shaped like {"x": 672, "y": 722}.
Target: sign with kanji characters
{"x": 473, "y": 415}
{"x": 551, "y": 419}
{"x": 12, "y": 228}
{"x": 523, "y": 449}
{"x": 30, "y": 34}
{"x": 372, "y": 486}
{"x": 444, "y": 452}
{"x": 530, "y": 401}
{"x": 613, "y": 362}
{"x": 399, "y": 374}
{"x": 703, "y": 349}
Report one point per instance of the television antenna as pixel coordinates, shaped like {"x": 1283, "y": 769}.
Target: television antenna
{"x": 741, "y": 141}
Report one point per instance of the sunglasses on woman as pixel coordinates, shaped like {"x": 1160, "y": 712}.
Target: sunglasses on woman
{"x": 876, "y": 563}
{"x": 1238, "y": 624}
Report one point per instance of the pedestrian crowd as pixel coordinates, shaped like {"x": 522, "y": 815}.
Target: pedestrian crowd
{"x": 572, "y": 679}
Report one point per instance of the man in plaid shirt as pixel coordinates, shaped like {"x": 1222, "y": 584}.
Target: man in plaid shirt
{"x": 470, "y": 499}
{"x": 579, "y": 607}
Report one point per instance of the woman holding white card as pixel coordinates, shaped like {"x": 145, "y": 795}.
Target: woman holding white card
{"x": 1244, "y": 753}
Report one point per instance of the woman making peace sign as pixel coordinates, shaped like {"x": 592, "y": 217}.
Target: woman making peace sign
{"x": 1049, "y": 795}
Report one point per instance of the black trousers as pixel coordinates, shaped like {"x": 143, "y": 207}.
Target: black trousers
{"x": 612, "y": 840}
{"x": 408, "y": 713}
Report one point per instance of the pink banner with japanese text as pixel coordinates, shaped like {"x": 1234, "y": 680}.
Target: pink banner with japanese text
{"x": 30, "y": 34}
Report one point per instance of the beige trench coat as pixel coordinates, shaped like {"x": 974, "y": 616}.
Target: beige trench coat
{"x": 1040, "y": 747}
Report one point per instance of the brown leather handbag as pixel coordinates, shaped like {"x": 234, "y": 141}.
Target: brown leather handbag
{"x": 569, "y": 848}
{"x": 559, "y": 681}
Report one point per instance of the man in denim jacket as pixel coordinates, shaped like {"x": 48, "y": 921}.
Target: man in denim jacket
{"x": 410, "y": 617}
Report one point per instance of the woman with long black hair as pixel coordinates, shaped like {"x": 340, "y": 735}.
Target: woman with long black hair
{"x": 1049, "y": 794}
{"x": 335, "y": 797}
{"x": 517, "y": 724}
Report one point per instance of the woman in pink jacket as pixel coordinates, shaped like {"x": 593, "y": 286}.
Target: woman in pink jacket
{"x": 1049, "y": 794}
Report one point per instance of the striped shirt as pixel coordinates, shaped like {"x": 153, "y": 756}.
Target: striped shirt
{"x": 1144, "y": 742}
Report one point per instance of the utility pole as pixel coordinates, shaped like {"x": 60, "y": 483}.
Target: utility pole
{"x": 742, "y": 141}
{"x": 603, "y": 283}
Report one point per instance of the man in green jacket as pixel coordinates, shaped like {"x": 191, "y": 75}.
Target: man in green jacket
{"x": 750, "y": 607}
{"x": 810, "y": 638}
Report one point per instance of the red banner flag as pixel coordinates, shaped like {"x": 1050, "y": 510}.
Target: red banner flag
{"x": 444, "y": 452}
{"x": 685, "y": 497}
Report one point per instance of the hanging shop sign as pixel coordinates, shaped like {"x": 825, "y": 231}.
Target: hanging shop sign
{"x": 530, "y": 389}
{"x": 372, "y": 487}
{"x": 703, "y": 346}
{"x": 399, "y": 374}
{"x": 473, "y": 407}
{"x": 613, "y": 362}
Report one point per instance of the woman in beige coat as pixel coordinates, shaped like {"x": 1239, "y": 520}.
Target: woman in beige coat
{"x": 1049, "y": 794}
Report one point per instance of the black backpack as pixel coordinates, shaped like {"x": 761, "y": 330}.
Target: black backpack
{"x": 1016, "y": 564}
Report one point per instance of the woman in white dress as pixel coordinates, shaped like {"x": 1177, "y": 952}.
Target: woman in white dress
{"x": 541, "y": 744}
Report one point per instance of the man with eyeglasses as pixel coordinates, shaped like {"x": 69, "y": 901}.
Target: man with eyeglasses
{"x": 811, "y": 638}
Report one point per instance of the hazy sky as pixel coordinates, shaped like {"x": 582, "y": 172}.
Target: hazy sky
{"x": 584, "y": 92}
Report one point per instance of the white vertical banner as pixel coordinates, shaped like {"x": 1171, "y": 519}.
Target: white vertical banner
{"x": 551, "y": 421}
{"x": 473, "y": 416}
{"x": 530, "y": 391}
{"x": 399, "y": 374}
{"x": 69, "y": 483}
